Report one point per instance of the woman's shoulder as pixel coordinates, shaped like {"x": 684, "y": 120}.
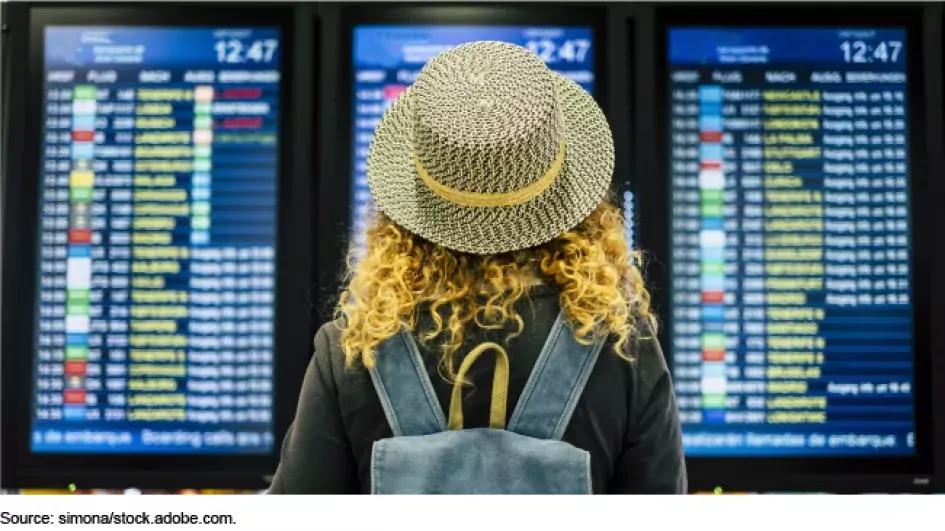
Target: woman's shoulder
{"x": 330, "y": 333}
{"x": 328, "y": 353}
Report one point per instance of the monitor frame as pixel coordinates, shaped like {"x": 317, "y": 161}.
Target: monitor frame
{"x": 335, "y": 216}
{"x": 750, "y": 473}
{"x": 934, "y": 21}
{"x": 292, "y": 338}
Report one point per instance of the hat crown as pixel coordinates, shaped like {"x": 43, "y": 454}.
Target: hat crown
{"x": 486, "y": 118}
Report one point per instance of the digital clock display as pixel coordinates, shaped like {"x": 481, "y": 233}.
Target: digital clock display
{"x": 859, "y": 51}
{"x": 235, "y": 51}
{"x": 567, "y": 51}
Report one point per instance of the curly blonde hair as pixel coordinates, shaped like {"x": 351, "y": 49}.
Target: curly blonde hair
{"x": 597, "y": 277}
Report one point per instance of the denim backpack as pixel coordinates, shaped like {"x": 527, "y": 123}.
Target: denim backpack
{"x": 429, "y": 456}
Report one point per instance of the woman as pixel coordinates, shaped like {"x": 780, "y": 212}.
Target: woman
{"x": 491, "y": 176}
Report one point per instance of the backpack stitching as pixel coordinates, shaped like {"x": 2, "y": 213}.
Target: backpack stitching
{"x": 535, "y": 377}
{"x": 432, "y": 402}
{"x": 386, "y": 403}
{"x": 583, "y": 375}
{"x": 374, "y": 460}
{"x": 590, "y": 481}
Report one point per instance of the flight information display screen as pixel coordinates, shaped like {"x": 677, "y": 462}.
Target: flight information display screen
{"x": 387, "y": 60}
{"x": 158, "y": 221}
{"x": 791, "y": 311}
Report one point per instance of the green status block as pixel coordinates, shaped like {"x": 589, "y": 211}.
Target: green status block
{"x": 200, "y": 208}
{"x": 202, "y": 164}
{"x": 83, "y": 92}
{"x": 714, "y": 196}
{"x": 77, "y": 309}
{"x": 80, "y": 194}
{"x": 711, "y": 210}
{"x": 713, "y": 401}
{"x": 713, "y": 341}
{"x": 77, "y": 353}
{"x": 77, "y": 296}
{"x": 200, "y": 223}
{"x": 713, "y": 268}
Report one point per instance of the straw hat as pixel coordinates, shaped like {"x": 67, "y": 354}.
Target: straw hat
{"x": 490, "y": 151}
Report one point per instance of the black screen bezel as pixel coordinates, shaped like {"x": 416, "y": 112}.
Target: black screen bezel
{"x": 803, "y": 472}
{"x": 21, "y": 467}
{"x": 336, "y": 215}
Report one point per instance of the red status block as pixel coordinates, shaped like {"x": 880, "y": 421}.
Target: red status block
{"x": 710, "y": 136}
{"x": 77, "y": 368}
{"x": 74, "y": 396}
{"x": 242, "y": 93}
{"x": 391, "y": 92}
{"x": 711, "y": 354}
{"x": 80, "y": 236}
{"x": 711, "y": 165}
{"x": 83, "y": 136}
{"x": 709, "y": 297}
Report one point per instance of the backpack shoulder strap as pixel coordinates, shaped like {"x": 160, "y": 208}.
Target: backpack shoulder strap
{"x": 401, "y": 381}
{"x": 555, "y": 385}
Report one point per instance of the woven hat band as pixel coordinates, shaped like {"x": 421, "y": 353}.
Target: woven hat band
{"x": 505, "y": 199}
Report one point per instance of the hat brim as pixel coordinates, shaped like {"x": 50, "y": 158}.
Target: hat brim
{"x": 581, "y": 185}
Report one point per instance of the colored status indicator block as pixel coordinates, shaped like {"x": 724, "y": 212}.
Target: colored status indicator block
{"x": 200, "y": 223}
{"x": 80, "y": 340}
{"x": 86, "y": 107}
{"x": 83, "y": 92}
{"x": 80, "y": 236}
{"x": 73, "y": 413}
{"x": 713, "y": 267}
{"x": 77, "y": 368}
{"x": 713, "y": 416}
{"x": 74, "y": 396}
{"x": 200, "y": 208}
{"x": 83, "y": 135}
{"x": 203, "y": 137}
{"x": 712, "y": 253}
{"x": 203, "y": 94}
{"x": 713, "y": 354}
{"x": 81, "y": 179}
{"x": 713, "y": 313}
{"x": 711, "y": 179}
{"x": 78, "y": 324}
{"x": 82, "y": 123}
{"x": 75, "y": 382}
{"x": 713, "y": 401}
{"x": 203, "y": 122}
{"x": 710, "y": 136}
{"x": 82, "y": 150}
{"x": 200, "y": 180}
{"x": 77, "y": 309}
{"x": 202, "y": 164}
{"x": 80, "y": 195}
{"x": 713, "y": 341}
{"x": 713, "y": 297}
{"x": 392, "y": 92}
{"x": 710, "y": 94}
{"x": 77, "y": 353}
{"x": 712, "y": 238}
{"x": 80, "y": 251}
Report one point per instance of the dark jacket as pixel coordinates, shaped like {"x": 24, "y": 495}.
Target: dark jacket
{"x": 626, "y": 418}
